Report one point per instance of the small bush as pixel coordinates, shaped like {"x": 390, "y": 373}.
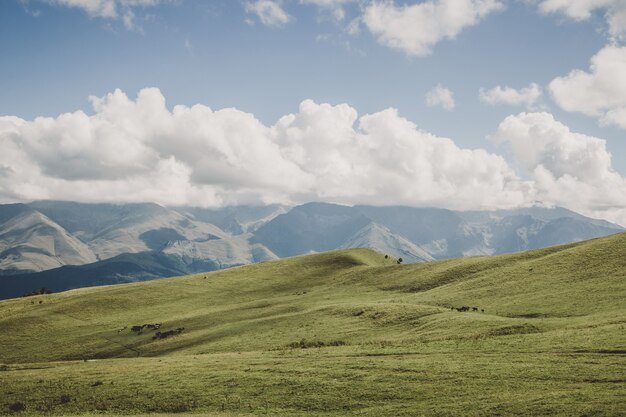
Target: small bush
{"x": 65, "y": 399}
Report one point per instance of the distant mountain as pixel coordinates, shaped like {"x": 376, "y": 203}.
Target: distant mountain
{"x": 381, "y": 239}
{"x": 224, "y": 253}
{"x": 313, "y": 227}
{"x": 128, "y": 267}
{"x": 128, "y": 242}
{"x": 178, "y": 258}
{"x": 425, "y": 233}
{"x": 235, "y": 220}
{"x": 30, "y": 241}
{"x": 48, "y": 234}
{"x": 440, "y": 232}
{"x": 113, "y": 229}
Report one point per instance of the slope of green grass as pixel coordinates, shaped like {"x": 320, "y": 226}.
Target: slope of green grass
{"x": 338, "y": 333}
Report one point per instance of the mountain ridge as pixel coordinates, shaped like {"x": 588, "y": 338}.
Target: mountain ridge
{"x": 183, "y": 237}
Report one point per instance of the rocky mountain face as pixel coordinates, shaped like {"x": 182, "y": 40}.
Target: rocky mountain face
{"x": 423, "y": 234}
{"x": 30, "y": 241}
{"x": 110, "y": 243}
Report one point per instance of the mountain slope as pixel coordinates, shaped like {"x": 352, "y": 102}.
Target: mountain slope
{"x": 235, "y": 220}
{"x": 124, "y": 268}
{"x": 177, "y": 258}
{"x": 379, "y": 238}
{"x": 312, "y": 227}
{"x": 225, "y": 253}
{"x": 113, "y": 229}
{"x": 29, "y": 241}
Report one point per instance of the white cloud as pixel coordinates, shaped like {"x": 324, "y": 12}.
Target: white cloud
{"x": 600, "y": 92}
{"x": 416, "y": 28}
{"x": 269, "y": 12}
{"x": 440, "y": 96}
{"x": 614, "y": 10}
{"x": 140, "y": 150}
{"x": 615, "y": 117}
{"x": 131, "y": 150}
{"x": 566, "y": 168}
{"x": 336, "y": 7}
{"x": 527, "y": 96}
{"x": 110, "y": 9}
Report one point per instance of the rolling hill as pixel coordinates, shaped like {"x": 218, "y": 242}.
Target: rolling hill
{"x": 347, "y": 332}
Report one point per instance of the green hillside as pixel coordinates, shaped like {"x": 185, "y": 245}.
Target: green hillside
{"x": 339, "y": 333}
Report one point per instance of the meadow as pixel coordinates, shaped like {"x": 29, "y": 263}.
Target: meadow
{"x": 339, "y": 333}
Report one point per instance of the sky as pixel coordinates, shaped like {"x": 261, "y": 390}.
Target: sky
{"x": 461, "y": 104}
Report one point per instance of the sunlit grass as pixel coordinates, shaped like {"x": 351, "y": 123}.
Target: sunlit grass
{"x": 346, "y": 332}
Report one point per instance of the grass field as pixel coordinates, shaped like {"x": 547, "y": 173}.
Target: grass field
{"x": 339, "y": 333}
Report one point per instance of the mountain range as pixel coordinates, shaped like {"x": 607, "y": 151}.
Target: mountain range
{"x": 62, "y": 245}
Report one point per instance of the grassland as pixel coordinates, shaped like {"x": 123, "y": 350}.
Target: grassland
{"x": 339, "y": 333}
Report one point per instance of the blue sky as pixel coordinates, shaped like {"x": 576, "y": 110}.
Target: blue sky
{"x": 266, "y": 57}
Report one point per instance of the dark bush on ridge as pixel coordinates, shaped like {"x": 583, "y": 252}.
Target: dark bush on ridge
{"x": 41, "y": 291}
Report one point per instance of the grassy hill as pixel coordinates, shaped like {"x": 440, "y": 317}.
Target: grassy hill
{"x": 338, "y": 333}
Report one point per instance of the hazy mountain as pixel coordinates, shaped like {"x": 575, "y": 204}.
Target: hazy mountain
{"x": 48, "y": 234}
{"x": 426, "y": 232}
{"x": 177, "y": 258}
{"x": 381, "y": 239}
{"x": 419, "y": 225}
{"x": 113, "y": 229}
{"x": 30, "y": 241}
{"x": 128, "y": 267}
{"x": 224, "y": 253}
{"x": 312, "y": 227}
{"x": 237, "y": 219}
{"x": 145, "y": 241}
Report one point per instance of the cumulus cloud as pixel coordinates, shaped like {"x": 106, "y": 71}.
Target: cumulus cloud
{"x": 614, "y": 11}
{"x": 415, "y": 29}
{"x": 111, "y": 9}
{"x": 527, "y": 96}
{"x": 139, "y": 149}
{"x": 566, "y": 168}
{"x": 269, "y": 12}
{"x": 440, "y": 96}
{"x": 599, "y": 92}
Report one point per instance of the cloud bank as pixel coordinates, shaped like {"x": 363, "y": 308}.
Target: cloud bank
{"x": 140, "y": 150}
{"x": 566, "y": 168}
